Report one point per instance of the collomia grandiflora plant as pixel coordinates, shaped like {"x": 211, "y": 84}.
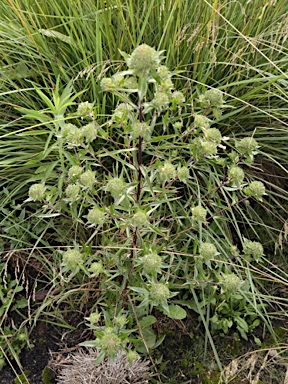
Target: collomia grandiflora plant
{"x": 155, "y": 196}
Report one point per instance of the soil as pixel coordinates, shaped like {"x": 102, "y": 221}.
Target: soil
{"x": 48, "y": 340}
{"x": 182, "y": 354}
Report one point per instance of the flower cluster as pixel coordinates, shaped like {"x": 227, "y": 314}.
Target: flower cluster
{"x": 236, "y": 174}
{"x": 199, "y": 214}
{"x": 72, "y": 259}
{"x": 253, "y": 250}
{"x": 109, "y": 343}
{"x": 139, "y": 219}
{"x": 152, "y": 263}
{"x": 96, "y": 216}
{"x": 231, "y": 283}
{"x": 37, "y": 192}
{"x": 116, "y": 186}
{"x": 207, "y": 251}
{"x": 167, "y": 171}
{"x": 159, "y": 293}
{"x": 143, "y": 61}
{"x": 255, "y": 189}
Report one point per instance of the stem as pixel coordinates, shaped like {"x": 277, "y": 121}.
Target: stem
{"x": 139, "y": 173}
{"x": 139, "y": 155}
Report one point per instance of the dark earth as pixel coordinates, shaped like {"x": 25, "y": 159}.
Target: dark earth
{"x": 181, "y": 351}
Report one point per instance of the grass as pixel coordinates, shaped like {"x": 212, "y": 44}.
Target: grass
{"x": 240, "y": 48}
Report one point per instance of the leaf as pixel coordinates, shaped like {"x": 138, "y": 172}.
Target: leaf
{"x": 57, "y": 35}
{"x": 146, "y": 321}
{"x": 175, "y": 312}
{"x": 90, "y": 343}
{"x": 149, "y": 338}
{"x": 142, "y": 87}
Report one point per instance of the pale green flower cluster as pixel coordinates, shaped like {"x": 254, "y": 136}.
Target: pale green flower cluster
{"x": 85, "y": 108}
{"x": 213, "y": 135}
{"x": 87, "y": 179}
{"x": 37, "y": 192}
{"x": 96, "y": 216}
{"x": 253, "y": 250}
{"x": 207, "y": 251}
{"x": 89, "y": 131}
{"x": 201, "y": 121}
{"x": 140, "y": 129}
{"x": 116, "y": 186}
{"x": 143, "y": 61}
{"x": 152, "y": 263}
{"x": 199, "y": 214}
{"x": 256, "y": 189}
{"x": 73, "y": 192}
{"x": 183, "y": 174}
{"x": 159, "y": 293}
{"x": 109, "y": 343}
{"x": 72, "y": 259}
{"x": 96, "y": 269}
{"x": 231, "y": 283}
{"x": 236, "y": 174}
{"x": 74, "y": 171}
{"x": 167, "y": 171}
{"x": 140, "y": 219}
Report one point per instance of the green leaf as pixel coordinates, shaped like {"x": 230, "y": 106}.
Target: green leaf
{"x": 147, "y": 321}
{"x": 175, "y": 312}
{"x": 142, "y": 87}
{"x": 149, "y": 338}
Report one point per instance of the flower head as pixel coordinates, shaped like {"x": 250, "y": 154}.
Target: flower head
{"x": 163, "y": 71}
{"x": 72, "y": 259}
{"x": 236, "y": 174}
{"x": 151, "y": 263}
{"x": 36, "y": 192}
{"x": 199, "y": 214}
{"x": 209, "y": 148}
{"x": 116, "y": 186}
{"x": 183, "y": 174}
{"x": 159, "y": 293}
{"x": 72, "y": 134}
{"x": 253, "y": 249}
{"x": 75, "y": 170}
{"x": 89, "y": 131}
{"x": 94, "y": 317}
{"x": 256, "y": 189}
{"x": 139, "y": 219}
{"x": 109, "y": 343}
{"x": 85, "y": 108}
{"x": 72, "y": 191}
{"x": 214, "y": 97}
{"x": 177, "y": 97}
{"x": 96, "y": 216}
{"x": 167, "y": 171}
{"x": 143, "y": 61}
{"x": 247, "y": 146}
{"x": 132, "y": 356}
{"x": 231, "y": 283}
{"x": 121, "y": 113}
{"x": 96, "y": 268}
{"x": 141, "y": 129}
{"x": 207, "y": 251}
{"x": 161, "y": 100}
{"x": 87, "y": 179}
{"x": 213, "y": 135}
{"x": 201, "y": 121}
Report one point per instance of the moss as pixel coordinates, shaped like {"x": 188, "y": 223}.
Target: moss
{"x": 21, "y": 379}
{"x": 48, "y": 376}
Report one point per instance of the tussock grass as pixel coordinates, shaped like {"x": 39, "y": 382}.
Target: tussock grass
{"x": 239, "y": 47}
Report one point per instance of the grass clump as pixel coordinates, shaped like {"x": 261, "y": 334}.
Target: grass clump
{"x": 151, "y": 215}
{"x": 146, "y": 182}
